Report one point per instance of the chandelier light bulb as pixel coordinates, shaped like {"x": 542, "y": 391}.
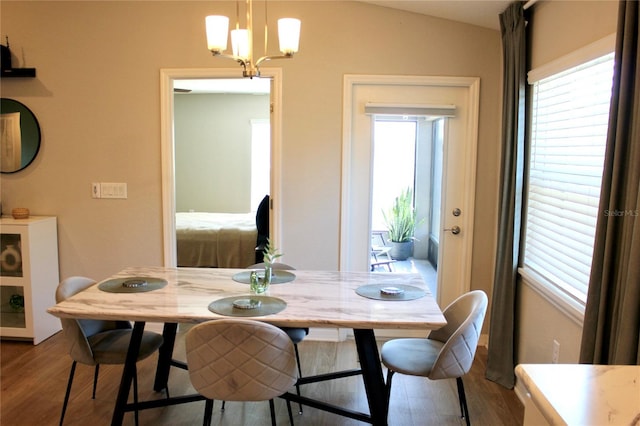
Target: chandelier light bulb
{"x": 240, "y": 43}
{"x": 289, "y": 35}
{"x": 217, "y": 29}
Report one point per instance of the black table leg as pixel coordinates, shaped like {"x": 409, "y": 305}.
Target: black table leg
{"x": 165, "y": 354}
{"x": 372, "y": 375}
{"x": 127, "y": 373}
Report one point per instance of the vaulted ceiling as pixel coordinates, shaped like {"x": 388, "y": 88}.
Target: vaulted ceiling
{"x": 483, "y": 13}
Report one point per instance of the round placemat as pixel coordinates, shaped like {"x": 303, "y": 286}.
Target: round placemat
{"x": 278, "y": 276}
{"x": 132, "y": 284}
{"x": 373, "y": 291}
{"x": 268, "y": 306}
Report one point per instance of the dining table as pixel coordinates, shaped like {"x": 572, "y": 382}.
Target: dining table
{"x": 361, "y": 301}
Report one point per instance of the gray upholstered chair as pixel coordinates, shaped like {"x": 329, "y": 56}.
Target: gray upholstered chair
{"x": 240, "y": 360}
{"x": 446, "y": 353}
{"x": 95, "y": 342}
{"x": 296, "y": 335}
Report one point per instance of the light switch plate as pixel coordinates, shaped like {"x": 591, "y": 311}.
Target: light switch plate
{"x": 113, "y": 190}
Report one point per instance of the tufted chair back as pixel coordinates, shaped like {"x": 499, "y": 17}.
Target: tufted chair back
{"x": 240, "y": 360}
{"x": 465, "y": 316}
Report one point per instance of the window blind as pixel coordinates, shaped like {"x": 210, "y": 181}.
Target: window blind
{"x": 568, "y": 135}
{"x": 410, "y": 110}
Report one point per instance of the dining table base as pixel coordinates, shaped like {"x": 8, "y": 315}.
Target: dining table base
{"x": 370, "y": 369}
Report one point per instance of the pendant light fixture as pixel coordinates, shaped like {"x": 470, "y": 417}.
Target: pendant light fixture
{"x": 217, "y": 27}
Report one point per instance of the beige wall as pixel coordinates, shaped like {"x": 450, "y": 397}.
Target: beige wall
{"x": 97, "y": 98}
{"x": 213, "y": 150}
{"x": 558, "y": 28}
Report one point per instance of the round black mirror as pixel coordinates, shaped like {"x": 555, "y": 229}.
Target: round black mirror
{"x": 19, "y": 136}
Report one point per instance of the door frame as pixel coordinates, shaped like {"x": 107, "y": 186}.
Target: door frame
{"x": 352, "y": 257}
{"x": 167, "y": 142}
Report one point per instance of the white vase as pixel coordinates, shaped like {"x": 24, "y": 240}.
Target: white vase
{"x": 11, "y": 259}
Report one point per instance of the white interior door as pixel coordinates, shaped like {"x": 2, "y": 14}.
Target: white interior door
{"x": 459, "y": 165}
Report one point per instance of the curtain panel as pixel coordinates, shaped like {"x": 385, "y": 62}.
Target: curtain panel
{"x": 612, "y": 316}
{"x": 501, "y": 355}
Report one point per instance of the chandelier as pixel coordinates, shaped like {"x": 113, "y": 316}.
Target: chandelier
{"x": 242, "y": 39}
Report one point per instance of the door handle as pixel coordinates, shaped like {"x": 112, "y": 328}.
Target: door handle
{"x": 455, "y": 230}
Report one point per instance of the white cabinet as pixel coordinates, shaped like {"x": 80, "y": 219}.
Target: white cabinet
{"x": 28, "y": 277}
{"x": 580, "y": 394}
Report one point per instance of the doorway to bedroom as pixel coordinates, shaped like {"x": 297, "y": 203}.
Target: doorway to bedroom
{"x": 222, "y": 169}
{"x": 218, "y": 145}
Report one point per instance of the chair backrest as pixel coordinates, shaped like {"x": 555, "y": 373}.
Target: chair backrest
{"x": 240, "y": 360}
{"x": 76, "y": 332}
{"x": 377, "y": 239}
{"x": 460, "y": 336}
{"x": 262, "y": 219}
{"x": 276, "y": 265}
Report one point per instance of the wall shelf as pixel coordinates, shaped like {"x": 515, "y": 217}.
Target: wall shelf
{"x": 18, "y": 72}
{"x": 6, "y": 68}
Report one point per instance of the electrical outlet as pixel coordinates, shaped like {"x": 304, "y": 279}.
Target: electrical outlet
{"x": 556, "y": 352}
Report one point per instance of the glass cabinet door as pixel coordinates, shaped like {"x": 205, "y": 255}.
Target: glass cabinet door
{"x": 10, "y": 255}
{"x": 11, "y": 296}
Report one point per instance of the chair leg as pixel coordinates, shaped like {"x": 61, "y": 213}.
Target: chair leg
{"x": 95, "y": 380}
{"x": 463, "y": 400}
{"x": 223, "y": 404}
{"x": 208, "y": 412}
{"x": 272, "y": 408}
{"x": 135, "y": 393}
{"x": 290, "y": 412}
{"x": 295, "y": 346}
{"x": 388, "y": 386}
{"x": 66, "y": 395}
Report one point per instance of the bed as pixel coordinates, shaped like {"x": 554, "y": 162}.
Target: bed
{"x": 216, "y": 240}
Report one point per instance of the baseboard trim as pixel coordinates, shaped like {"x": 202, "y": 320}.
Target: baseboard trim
{"x": 327, "y": 334}
{"x": 342, "y": 334}
{"x": 521, "y": 392}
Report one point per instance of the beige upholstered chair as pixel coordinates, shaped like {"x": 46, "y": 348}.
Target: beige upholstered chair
{"x": 240, "y": 360}
{"x": 446, "y": 353}
{"x": 95, "y": 342}
{"x": 297, "y": 335}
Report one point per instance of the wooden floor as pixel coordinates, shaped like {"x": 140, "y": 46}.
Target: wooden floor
{"x": 33, "y": 381}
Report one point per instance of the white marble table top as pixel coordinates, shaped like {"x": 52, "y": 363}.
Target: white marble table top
{"x": 579, "y": 394}
{"x": 314, "y": 299}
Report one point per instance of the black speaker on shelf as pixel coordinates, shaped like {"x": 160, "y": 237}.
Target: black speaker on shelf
{"x": 7, "y": 70}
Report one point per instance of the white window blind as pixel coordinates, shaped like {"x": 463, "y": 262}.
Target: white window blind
{"x": 568, "y": 136}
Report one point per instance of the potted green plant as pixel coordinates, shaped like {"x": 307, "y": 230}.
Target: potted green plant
{"x": 401, "y": 224}
{"x": 260, "y": 283}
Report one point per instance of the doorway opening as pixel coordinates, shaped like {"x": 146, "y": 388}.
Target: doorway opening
{"x": 221, "y": 138}
{"x": 222, "y": 170}
{"x": 456, "y": 98}
{"x": 407, "y": 155}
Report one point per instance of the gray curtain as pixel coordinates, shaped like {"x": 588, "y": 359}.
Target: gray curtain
{"x": 501, "y": 356}
{"x": 612, "y": 317}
